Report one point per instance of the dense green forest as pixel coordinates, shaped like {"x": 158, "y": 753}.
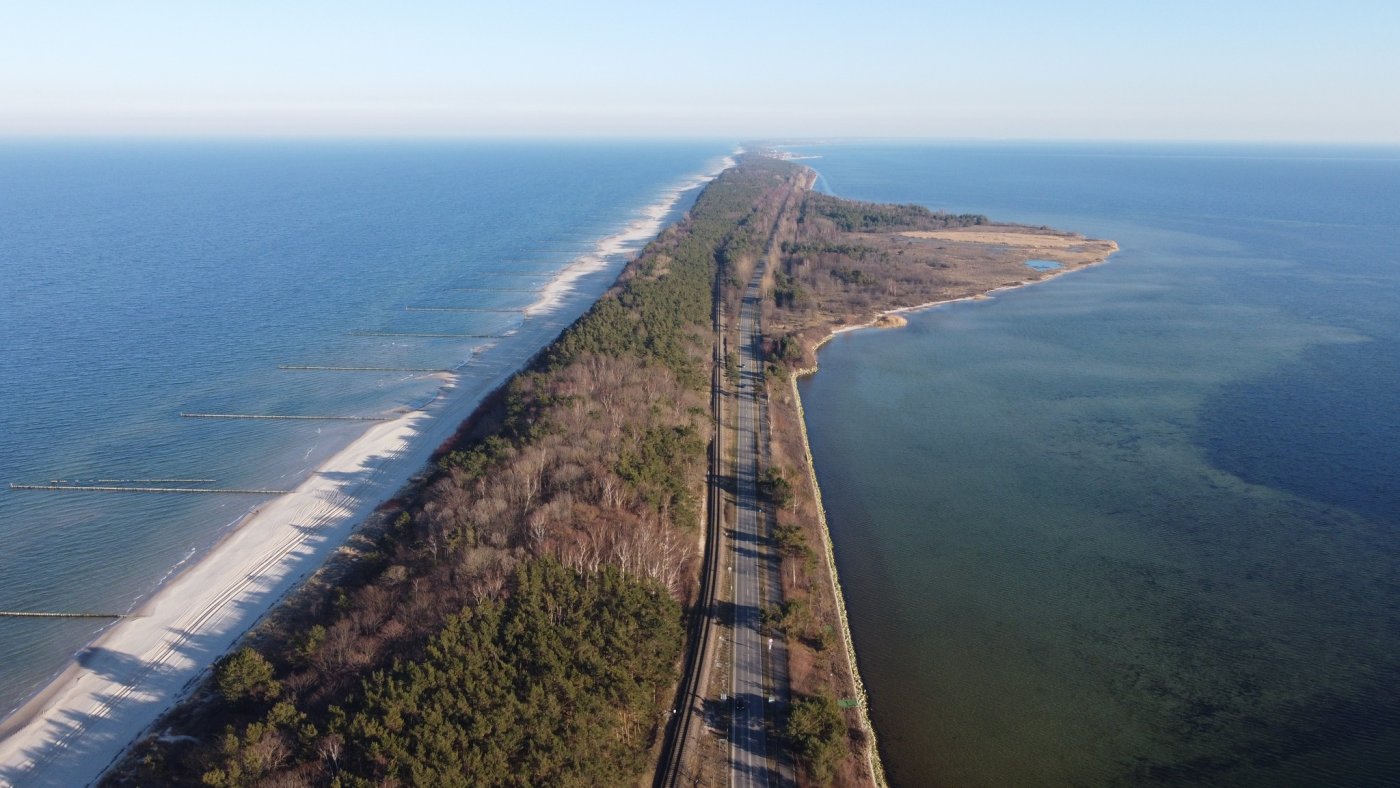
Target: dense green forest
{"x": 517, "y": 620}
{"x": 817, "y": 733}
{"x": 553, "y": 685}
{"x": 661, "y": 302}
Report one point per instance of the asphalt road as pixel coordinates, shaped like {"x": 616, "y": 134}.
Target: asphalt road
{"x": 755, "y": 576}
{"x": 758, "y": 694}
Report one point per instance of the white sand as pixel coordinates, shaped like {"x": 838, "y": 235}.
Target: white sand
{"x": 629, "y": 239}
{"x": 73, "y": 730}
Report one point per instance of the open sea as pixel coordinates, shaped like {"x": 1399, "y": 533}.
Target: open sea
{"x": 1139, "y": 525}
{"x": 143, "y": 279}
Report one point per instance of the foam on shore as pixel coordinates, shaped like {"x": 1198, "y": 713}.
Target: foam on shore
{"x": 119, "y": 685}
{"x": 627, "y": 241}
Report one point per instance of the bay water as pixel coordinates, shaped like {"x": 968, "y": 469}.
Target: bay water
{"x": 142, "y": 279}
{"x": 1140, "y": 524}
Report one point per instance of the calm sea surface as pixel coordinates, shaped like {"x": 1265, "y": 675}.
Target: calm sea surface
{"x": 145, "y": 279}
{"x": 1139, "y": 525}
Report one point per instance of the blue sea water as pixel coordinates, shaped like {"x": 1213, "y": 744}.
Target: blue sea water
{"x": 143, "y": 279}
{"x": 1138, "y": 525}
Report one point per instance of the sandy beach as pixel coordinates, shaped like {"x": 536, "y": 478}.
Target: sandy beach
{"x": 116, "y": 688}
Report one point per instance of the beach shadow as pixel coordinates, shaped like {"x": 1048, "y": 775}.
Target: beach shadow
{"x": 77, "y": 747}
{"x": 112, "y": 665}
{"x": 205, "y": 649}
{"x": 359, "y": 485}
{"x": 346, "y": 477}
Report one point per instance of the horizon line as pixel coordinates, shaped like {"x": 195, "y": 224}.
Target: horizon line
{"x": 768, "y": 140}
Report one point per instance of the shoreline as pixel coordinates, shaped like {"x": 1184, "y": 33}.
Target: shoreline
{"x": 874, "y": 758}
{"x": 872, "y": 753}
{"x": 111, "y": 691}
{"x": 639, "y": 231}
{"x": 987, "y": 296}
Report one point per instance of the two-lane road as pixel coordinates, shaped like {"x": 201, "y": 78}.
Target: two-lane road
{"x": 744, "y": 561}
{"x": 750, "y": 762}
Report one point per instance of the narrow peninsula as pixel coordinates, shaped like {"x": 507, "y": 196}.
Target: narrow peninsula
{"x": 617, "y": 572}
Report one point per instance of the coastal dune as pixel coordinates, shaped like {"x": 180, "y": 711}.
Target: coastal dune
{"x": 120, "y": 684}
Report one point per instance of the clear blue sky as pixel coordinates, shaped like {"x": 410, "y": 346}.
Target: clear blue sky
{"x": 1127, "y": 69}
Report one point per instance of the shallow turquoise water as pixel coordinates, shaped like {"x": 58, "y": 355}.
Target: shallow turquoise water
{"x": 142, "y": 279}
{"x": 1139, "y": 524}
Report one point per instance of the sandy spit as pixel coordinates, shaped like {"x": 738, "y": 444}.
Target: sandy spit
{"x": 883, "y": 319}
{"x": 891, "y": 318}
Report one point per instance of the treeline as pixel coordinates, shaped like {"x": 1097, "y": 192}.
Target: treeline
{"x": 852, "y": 216}
{"x": 517, "y": 622}
{"x": 851, "y": 250}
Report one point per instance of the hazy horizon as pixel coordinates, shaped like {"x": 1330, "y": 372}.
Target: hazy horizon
{"x": 1104, "y": 145}
{"x": 1015, "y": 71}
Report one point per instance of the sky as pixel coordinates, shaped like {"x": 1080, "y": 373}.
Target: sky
{"x": 1070, "y": 69}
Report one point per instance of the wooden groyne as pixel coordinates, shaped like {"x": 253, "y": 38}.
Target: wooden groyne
{"x": 111, "y": 488}
{"x": 320, "y": 368}
{"x": 132, "y": 481}
{"x": 278, "y": 417}
{"x": 422, "y": 334}
{"x": 28, "y": 614}
{"x": 459, "y": 309}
